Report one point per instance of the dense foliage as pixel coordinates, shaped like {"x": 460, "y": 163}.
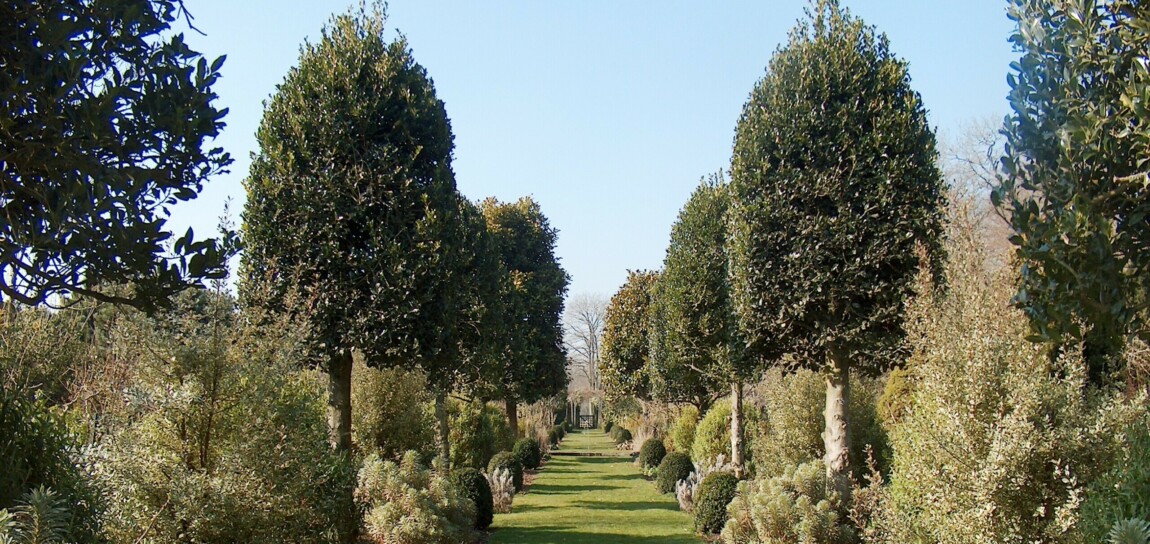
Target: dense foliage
{"x": 626, "y": 346}
{"x": 392, "y": 414}
{"x": 682, "y": 432}
{"x": 798, "y": 505}
{"x": 478, "y": 431}
{"x": 1074, "y": 181}
{"x": 473, "y": 485}
{"x": 106, "y": 117}
{"x": 715, "y": 492}
{"x": 408, "y": 503}
{"x": 674, "y": 467}
{"x": 712, "y": 435}
{"x": 833, "y": 187}
{"x": 506, "y": 460}
{"x": 528, "y": 452}
{"x": 651, "y": 453}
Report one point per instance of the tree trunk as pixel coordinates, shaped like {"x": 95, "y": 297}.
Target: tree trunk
{"x": 737, "y": 428}
{"x": 441, "y": 426}
{"x": 512, "y": 409}
{"x": 836, "y": 435}
{"x": 339, "y": 400}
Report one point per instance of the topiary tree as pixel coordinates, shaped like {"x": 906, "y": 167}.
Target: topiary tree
{"x": 652, "y": 453}
{"x": 674, "y": 467}
{"x": 692, "y": 320}
{"x": 1074, "y": 177}
{"x": 715, "y": 492}
{"x": 530, "y": 363}
{"x": 96, "y": 151}
{"x": 626, "y": 344}
{"x": 528, "y": 452}
{"x": 507, "y": 460}
{"x": 352, "y": 202}
{"x": 833, "y": 187}
{"x": 473, "y": 485}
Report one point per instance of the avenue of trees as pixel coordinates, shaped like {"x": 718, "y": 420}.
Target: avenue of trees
{"x": 838, "y": 348}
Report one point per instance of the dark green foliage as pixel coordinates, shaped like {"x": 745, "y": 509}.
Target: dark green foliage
{"x": 1124, "y": 491}
{"x": 561, "y": 430}
{"x": 528, "y": 452}
{"x": 626, "y": 339}
{"x": 620, "y": 435}
{"x": 36, "y": 452}
{"x": 674, "y": 467}
{"x": 530, "y": 363}
{"x": 692, "y": 324}
{"x": 716, "y": 491}
{"x": 507, "y": 460}
{"x": 607, "y": 427}
{"x": 474, "y": 486}
{"x": 106, "y": 114}
{"x": 652, "y": 453}
{"x": 477, "y": 432}
{"x": 1074, "y": 182}
{"x": 833, "y": 187}
{"x": 553, "y": 437}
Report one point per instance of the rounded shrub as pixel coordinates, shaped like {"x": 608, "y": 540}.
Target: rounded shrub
{"x": 561, "y": 431}
{"x": 713, "y": 434}
{"x": 528, "y": 452}
{"x": 621, "y": 435}
{"x": 652, "y": 453}
{"x": 715, "y": 492}
{"x": 682, "y": 433}
{"x": 553, "y": 437}
{"x": 473, "y": 485}
{"x": 674, "y": 467}
{"x": 608, "y": 426}
{"x": 507, "y": 460}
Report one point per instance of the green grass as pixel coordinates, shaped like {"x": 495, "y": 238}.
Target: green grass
{"x": 593, "y": 500}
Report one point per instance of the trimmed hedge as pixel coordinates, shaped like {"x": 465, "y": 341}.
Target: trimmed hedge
{"x": 473, "y": 485}
{"x": 528, "y": 452}
{"x": 621, "y": 435}
{"x": 715, "y": 492}
{"x": 507, "y": 460}
{"x": 607, "y": 427}
{"x": 652, "y": 453}
{"x": 675, "y": 466}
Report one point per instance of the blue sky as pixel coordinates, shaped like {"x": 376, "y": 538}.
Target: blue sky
{"x": 607, "y": 113}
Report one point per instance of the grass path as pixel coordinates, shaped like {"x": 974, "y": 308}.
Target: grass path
{"x": 592, "y": 500}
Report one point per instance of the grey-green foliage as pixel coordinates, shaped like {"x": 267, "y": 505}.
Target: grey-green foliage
{"x": 1129, "y": 531}
{"x": 1074, "y": 178}
{"x": 797, "y": 505}
{"x": 406, "y": 502}
{"x": 108, "y": 115}
{"x": 691, "y": 324}
{"x": 221, "y": 438}
{"x": 833, "y": 185}
{"x": 1123, "y": 492}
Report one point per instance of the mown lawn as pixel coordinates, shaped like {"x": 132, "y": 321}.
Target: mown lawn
{"x": 592, "y": 500}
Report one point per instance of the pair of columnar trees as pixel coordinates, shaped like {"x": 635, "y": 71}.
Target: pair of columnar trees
{"x": 806, "y": 257}
{"x": 353, "y": 213}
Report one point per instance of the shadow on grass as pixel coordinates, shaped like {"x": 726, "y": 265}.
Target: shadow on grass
{"x": 628, "y": 506}
{"x": 560, "y": 489}
{"x": 575, "y": 535}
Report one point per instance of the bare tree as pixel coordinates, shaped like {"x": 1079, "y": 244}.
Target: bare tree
{"x": 583, "y": 332}
{"x": 970, "y": 161}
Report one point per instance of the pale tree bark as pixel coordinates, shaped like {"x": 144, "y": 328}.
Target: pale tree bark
{"x": 441, "y": 426}
{"x": 836, "y": 434}
{"x": 339, "y": 400}
{"x": 512, "y": 409}
{"x": 583, "y": 330}
{"x": 737, "y": 429}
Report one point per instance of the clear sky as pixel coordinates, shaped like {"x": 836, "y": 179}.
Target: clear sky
{"x": 607, "y": 113}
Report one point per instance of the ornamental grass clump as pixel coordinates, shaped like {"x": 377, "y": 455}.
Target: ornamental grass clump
{"x": 715, "y": 493}
{"x": 502, "y": 484}
{"x": 507, "y": 460}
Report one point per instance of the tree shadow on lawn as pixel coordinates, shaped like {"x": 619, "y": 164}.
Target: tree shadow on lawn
{"x": 573, "y": 535}
{"x": 564, "y": 489}
{"x": 629, "y": 506}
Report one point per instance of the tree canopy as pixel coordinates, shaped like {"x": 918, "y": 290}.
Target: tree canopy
{"x": 352, "y": 203}
{"x": 835, "y": 196}
{"x": 626, "y": 340}
{"x": 105, "y": 125}
{"x": 692, "y": 324}
{"x": 1074, "y": 182}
